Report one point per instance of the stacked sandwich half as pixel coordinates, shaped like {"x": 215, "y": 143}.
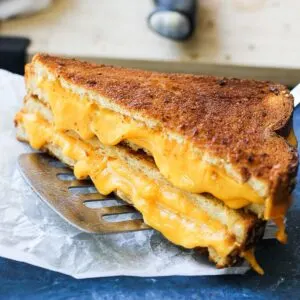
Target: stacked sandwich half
{"x": 207, "y": 161}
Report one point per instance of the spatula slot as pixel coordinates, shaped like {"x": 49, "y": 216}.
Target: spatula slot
{"x": 82, "y": 189}
{"x": 57, "y": 164}
{"x": 123, "y": 217}
{"x": 103, "y": 203}
{"x": 66, "y": 176}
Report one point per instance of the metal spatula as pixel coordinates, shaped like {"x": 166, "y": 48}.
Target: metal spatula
{"x": 74, "y": 200}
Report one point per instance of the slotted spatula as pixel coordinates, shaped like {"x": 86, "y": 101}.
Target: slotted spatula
{"x": 73, "y": 199}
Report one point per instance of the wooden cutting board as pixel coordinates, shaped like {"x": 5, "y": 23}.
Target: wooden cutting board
{"x": 242, "y": 38}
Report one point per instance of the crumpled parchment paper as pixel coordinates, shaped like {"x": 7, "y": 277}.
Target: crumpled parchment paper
{"x": 31, "y": 232}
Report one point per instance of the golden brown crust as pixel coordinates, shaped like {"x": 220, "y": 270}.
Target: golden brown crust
{"x": 238, "y": 120}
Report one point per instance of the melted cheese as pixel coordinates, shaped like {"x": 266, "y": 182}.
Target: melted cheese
{"x": 170, "y": 212}
{"x": 176, "y": 161}
{"x": 291, "y": 138}
{"x": 249, "y": 256}
{"x": 281, "y": 234}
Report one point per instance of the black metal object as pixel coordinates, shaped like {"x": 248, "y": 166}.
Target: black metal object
{"x": 13, "y": 53}
{"x": 174, "y": 19}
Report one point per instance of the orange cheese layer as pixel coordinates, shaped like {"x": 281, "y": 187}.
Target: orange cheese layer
{"x": 291, "y": 138}
{"x": 179, "y": 219}
{"x": 281, "y": 234}
{"x": 177, "y": 162}
{"x": 249, "y": 256}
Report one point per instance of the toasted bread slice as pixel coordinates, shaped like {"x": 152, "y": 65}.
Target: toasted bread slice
{"x": 226, "y": 137}
{"x": 227, "y": 233}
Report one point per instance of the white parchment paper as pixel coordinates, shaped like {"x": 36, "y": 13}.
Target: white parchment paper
{"x": 31, "y": 232}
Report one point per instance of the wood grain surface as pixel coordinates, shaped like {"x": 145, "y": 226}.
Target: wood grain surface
{"x": 244, "y": 38}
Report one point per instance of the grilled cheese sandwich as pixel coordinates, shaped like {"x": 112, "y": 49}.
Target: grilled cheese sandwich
{"x": 224, "y": 157}
{"x": 230, "y": 150}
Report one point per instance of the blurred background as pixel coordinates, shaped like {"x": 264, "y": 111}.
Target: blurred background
{"x": 238, "y": 38}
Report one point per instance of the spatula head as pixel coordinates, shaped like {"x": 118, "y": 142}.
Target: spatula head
{"x": 77, "y": 201}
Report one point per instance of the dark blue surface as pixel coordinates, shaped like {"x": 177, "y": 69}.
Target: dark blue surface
{"x": 280, "y": 262}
